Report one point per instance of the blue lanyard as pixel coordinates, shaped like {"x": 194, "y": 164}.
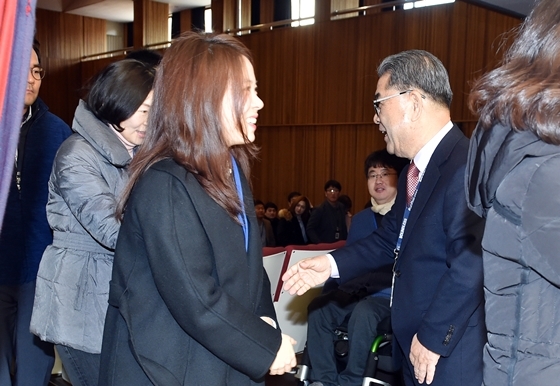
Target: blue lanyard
{"x": 397, "y": 249}
{"x": 242, "y": 216}
{"x": 407, "y": 210}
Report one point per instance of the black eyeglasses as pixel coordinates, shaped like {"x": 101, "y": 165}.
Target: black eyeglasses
{"x": 382, "y": 175}
{"x": 37, "y": 72}
{"x": 377, "y": 102}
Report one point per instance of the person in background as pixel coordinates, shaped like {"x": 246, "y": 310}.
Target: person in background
{"x": 363, "y": 302}
{"x": 25, "y": 235}
{"x": 382, "y": 172}
{"x": 327, "y": 223}
{"x": 190, "y": 301}
{"x": 430, "y": 236}
{"x": 292, "y": 231}
{"x": 88, "y": 175}
{"x": 271, "y": 213}
{"x": 285, "y": 213}
{"x": 265, "y": 228}
{"x": 512, "y": 181}
{"x": 347, "y": 202}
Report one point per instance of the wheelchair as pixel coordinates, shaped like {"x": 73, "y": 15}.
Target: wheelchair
{"x": 379, "y": 367}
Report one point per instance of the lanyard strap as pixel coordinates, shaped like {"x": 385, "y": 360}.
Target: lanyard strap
{"x": 242, "y": 216}
{"x": 397, "y": 249}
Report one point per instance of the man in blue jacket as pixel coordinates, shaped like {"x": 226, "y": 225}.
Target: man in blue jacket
{"x": 429, "y": 235}
{"x": 25, "y": 235}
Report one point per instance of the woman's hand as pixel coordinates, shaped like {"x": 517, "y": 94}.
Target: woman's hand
{"x": 269, "y": 321}
{"x": 285, "y": 357}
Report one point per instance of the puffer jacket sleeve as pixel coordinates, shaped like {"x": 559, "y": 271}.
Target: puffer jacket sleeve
{"x": 78, "y": 178}
{"x": 540, "y": 220}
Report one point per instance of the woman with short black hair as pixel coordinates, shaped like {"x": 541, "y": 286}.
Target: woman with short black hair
{"x": 89, "y": 173}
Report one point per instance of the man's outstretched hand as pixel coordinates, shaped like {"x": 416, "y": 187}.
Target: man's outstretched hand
{"x": 306, "y": 274}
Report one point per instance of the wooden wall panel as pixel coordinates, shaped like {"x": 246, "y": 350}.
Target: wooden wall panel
{"x": 372, "y": 2}
{"x": 335, "y": 73}
{"x": 322, "y": 11}
{"x": 267, "y": 11}
{"x": 340, "y": 5}
{"x": 467, "y": 126}
{"x": 60, "y": 34}
{"x": 64, "y": 39}
{"x": 185, "y": 20}
{"x": 244, "y": 16}
{"x": 475, "y": 59}
{"x": 138, "y": 38}
{"x": 156, "y": 27}
{"x": 230, "y": 14}
{"x": 302, "y": 85}
{"x": 61, "y": 86}
{"x": 95, "y": 36}
{"x": 151, "y": 23}
{"x": 92, "y": 67}
{"x": 459, "y": 37}
{"x": 217, "y": 15}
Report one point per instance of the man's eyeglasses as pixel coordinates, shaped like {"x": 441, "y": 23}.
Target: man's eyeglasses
{"x": 377, "y": 102}
{"x": 37, "y": 72}
{"x": 332, "y": 190}
{"x": 382, "y": 175}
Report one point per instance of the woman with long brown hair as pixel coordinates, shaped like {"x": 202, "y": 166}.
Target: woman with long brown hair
{"x": 190, "y": 302}
{"x": 513, "y": 181}
{"x": 291, "y": 230}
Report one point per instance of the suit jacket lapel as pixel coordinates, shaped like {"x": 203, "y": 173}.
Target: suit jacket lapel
{"x": 430, "y": 179}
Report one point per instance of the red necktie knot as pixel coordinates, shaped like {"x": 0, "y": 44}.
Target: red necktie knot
{"x": 411, "y": 182}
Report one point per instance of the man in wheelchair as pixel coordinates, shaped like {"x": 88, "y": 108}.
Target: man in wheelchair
{"x": 354, "y": 310}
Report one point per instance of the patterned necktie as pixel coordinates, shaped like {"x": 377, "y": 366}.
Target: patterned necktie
{"x": 411, "y": 182}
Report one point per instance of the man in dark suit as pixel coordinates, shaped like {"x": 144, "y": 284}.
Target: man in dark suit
{"x": 25, "y": 235}
{"x": 431, "y": 236}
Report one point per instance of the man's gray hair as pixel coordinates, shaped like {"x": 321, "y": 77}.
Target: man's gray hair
{"x": 418, "y": 69}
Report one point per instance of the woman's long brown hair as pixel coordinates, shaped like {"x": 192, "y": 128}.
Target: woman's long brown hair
{"x": 524, "y": 92}
{"x": 306, "y": 213}
{"x": 185, "y": 122}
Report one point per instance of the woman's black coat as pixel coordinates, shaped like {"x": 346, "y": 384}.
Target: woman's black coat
{"x": 186, "y": 298}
